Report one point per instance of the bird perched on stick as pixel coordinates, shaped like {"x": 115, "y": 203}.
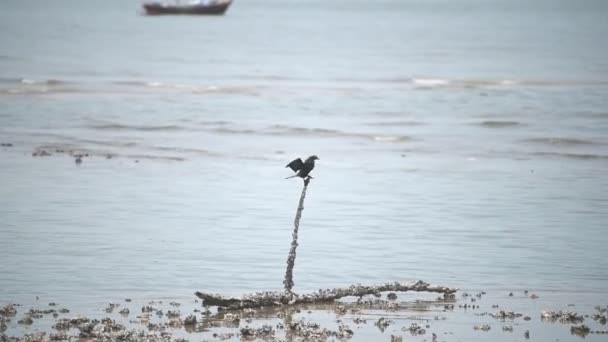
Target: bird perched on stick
{"x": 302, "y": 168}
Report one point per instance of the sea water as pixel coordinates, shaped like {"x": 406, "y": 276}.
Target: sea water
{"x": 463, "y": 143}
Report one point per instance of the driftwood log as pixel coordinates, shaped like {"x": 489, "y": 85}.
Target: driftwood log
{"x": 277, "y": 298}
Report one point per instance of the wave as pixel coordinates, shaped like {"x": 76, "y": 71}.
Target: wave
{"x": 143, "y": 128}
{"x": 292, "y": 131}
{"x": 556, "y": 141}
{"x": 499, "y": 124}
{"x": 430, "y": 82}
{"x": 396, "y": 123}
{"x": 582, "y": 156}
{"x": 257, "y": 86}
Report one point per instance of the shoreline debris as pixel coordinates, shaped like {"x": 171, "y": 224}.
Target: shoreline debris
{"x": 278, "y": 298}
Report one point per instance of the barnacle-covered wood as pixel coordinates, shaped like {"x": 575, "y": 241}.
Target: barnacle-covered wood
{"x": 291, "y": 257}
{"x": 269, "y": 298}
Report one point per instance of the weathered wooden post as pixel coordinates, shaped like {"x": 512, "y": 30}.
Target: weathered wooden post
{"x": 291, "y": 258}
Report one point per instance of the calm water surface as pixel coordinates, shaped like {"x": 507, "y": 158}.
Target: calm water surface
{"x": 461, "y": 142}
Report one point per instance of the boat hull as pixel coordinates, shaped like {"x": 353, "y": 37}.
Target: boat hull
{"x": 161, "y": 9}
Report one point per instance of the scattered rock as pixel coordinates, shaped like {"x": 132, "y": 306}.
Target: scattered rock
{"x": 359, "y": 320}
{"x": 124, "y": 311}
{"x": 264, "y": 332}
{"x": 503, "y": 315}
{"x": 382, "y": 323}
{"x": 392, "y": 296}
{"x": 533, "y": 296}
{"x": 41, "y": 153}
{"x": 147, "y": 308}
{"x": 396, "y": 338}
{"x": 527, "y": 335}
{"x": 27, "y": 320}
{"x": 190, "y": 320}
{"x": 128, "y": 300}
{"x": 483, "y": 327}
{"x": 6, "y": 144}
{"x": 508, "y": 328}
{"x": 561, "y": 316}
{"x": 415, "y": 329}
{"x": 580, "y": 330}
{"x": 8, "y": 310}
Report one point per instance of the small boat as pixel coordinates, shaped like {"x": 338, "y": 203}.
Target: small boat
{"x": 204, "y": 7}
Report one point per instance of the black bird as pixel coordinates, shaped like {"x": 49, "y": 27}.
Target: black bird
{"x": 302, "y": 169}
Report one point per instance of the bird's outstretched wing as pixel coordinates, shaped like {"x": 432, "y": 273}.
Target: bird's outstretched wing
{"x": 296, "y": 165}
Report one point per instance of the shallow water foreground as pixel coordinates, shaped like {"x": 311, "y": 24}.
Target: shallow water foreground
{"x": 514, "y": 316}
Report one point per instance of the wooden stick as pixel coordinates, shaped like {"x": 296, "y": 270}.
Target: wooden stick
{"x": 291, "y": 258}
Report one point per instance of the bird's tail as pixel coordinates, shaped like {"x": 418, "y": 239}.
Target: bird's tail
{"x": 292, "y": 176}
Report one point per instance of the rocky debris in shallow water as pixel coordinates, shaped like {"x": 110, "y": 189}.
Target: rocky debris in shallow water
{"x": 314, "y": 332}
{"x": 124, "y": 311}
{"x": 264, "y": 332}
{"x": 382, "y": 323}
{"x": 64, "y": 311}
{"x": 503, "y": 315}
{"x": 174, "y": 304}
{"x": 147, "y": 308}
{"x": 37, "y": 337}
{"x": 222, "y": 337}
{"x": 527, "y": 318}
{"x": 344, "y": 332}
{"x": 527, "y": 335}
{"x": 248, "y": 312}
{"x": 27, "y": 320}
{"x": 391, "y": 296}
{"x": 359, "y": 320}
{"x": 230, "y": 317}
{"x": 8, "y": 310}
{"x": 41, "y": 153}
{"x": 415, "y": 329}
{"x": 173, "y": 314}
{"x": 340, "y": 310}
{"x": 128, "y": 300}
{"x": 61, "y": 336}
{"x": 508, "y": 328}
{"x": 3, "y": 326}
{"x": 395, "y": 338}
{"x": 175, "y": 323}
{"x": 533, "y": 296}
{"x": 6, "y": 144}
{"x": 580, "y": 330}
{"x": 483, "y": 327}
{"x": 600, "y": 316}
{"x": 190, "y": 320}
{"x": 561, "y": 316}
